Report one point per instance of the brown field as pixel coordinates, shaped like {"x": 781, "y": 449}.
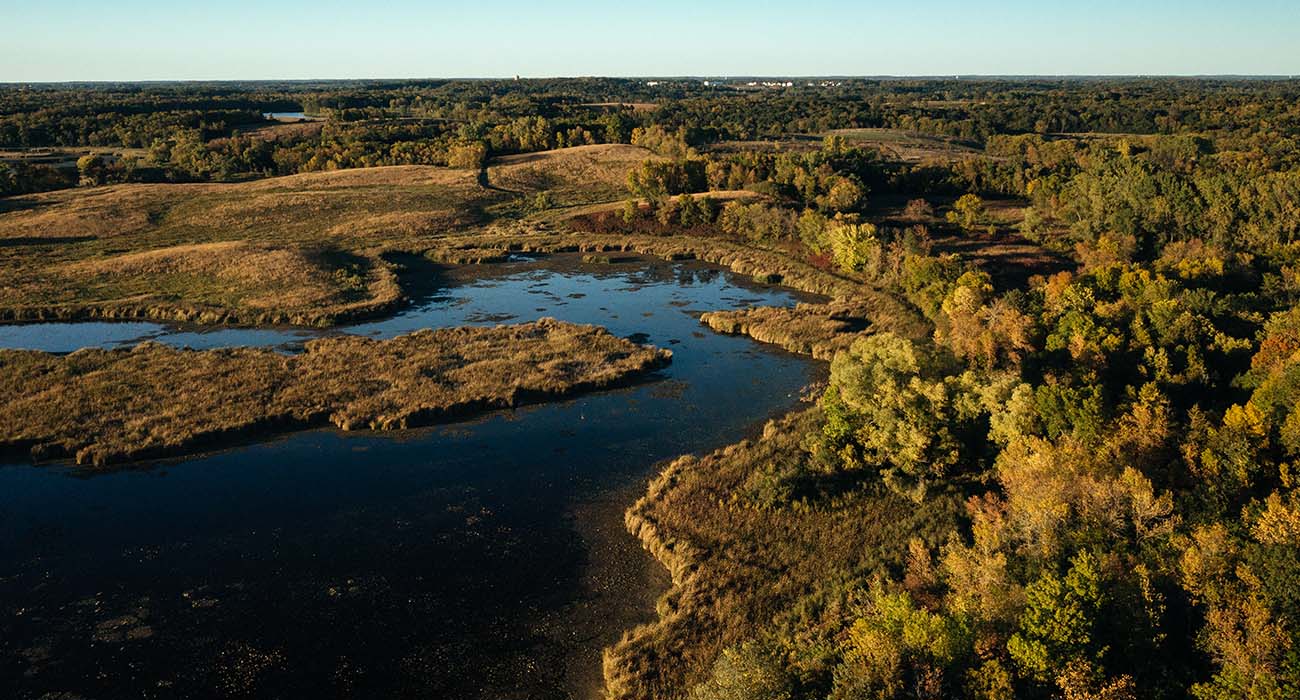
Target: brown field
{"x": 281, "y": 130}
{"x": 795, "y": 144}
{"x": 61, "y": 157}
{"x": 636, "y": 106}
{"x": 909, "y": 146}
{"x": 577, "y": 175}
{"x": 200, "y": 252}
{"x": 311, "y": 249}
{"x": 103, "y": 406}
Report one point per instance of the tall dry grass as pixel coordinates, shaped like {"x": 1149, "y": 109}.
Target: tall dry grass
{"x": 103, "y": 406}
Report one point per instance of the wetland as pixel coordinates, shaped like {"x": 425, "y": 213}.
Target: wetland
{"x": 478, "y": 559}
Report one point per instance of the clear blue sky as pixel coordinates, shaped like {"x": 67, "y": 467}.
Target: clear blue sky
{"x": 243, "y": 39}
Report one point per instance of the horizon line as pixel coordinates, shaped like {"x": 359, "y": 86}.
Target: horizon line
{"x": 701, "y": 77}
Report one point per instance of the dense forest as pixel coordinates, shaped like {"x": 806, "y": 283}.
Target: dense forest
{"x": 1102, "y": 448}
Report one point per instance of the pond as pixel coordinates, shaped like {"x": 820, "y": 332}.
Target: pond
{"x": 286, "y": 116}
{"x": 482, "y": 559}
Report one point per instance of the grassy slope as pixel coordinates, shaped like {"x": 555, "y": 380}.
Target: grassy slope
{"x": 148, "y": 250}
{"x": 573, "y": 176}
{"x": 103, "y": 406}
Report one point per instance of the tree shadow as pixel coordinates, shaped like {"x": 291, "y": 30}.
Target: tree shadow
{"x": 42, "y": 240}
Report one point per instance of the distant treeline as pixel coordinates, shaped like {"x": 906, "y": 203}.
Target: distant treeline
{"x": 210, "y": 131}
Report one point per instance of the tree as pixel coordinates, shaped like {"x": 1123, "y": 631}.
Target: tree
{"x": 1247, "y": 587}
{"x": 663, "y": 142}
{"x": 896, "y": 407}
{"x": 629, "y": 211}
{"x": 967, "y": 212}
{"x": 468, "y": 156}
{"x": 985, "y": 330}
{"x": 694, "y": 211}
{"x": 618, "y": 126}
{"x": 918, "y": 210}
{"x": 896, "y": 645}
{"x": 656, "y": 179}
{"x": 853, "y": 246}
{"x": 92, "y": 169}
{"x": 845, "y": 195}
{"x": 8, "y": 180}
{"x": 1057, "y": 626}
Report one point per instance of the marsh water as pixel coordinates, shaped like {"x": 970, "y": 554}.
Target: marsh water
{"x": 481, "y": 559}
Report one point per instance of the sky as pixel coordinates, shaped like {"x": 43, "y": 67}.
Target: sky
{"x": 75, "y": 40}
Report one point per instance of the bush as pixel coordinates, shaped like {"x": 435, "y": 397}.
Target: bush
{"x": 747, "y": 672}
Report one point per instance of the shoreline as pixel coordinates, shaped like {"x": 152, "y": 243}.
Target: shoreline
{"x": 762, "y": 265}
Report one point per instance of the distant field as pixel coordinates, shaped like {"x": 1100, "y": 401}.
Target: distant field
{"x": 64, "y": 157}
{"x": 578, "y": 175}
{"x": 636, "y": 106}
{"x": 794, "y": 143}
{"x": 282, "y": 130}
{"x": 909, "y": 146}
{"x": 302, "y": 248}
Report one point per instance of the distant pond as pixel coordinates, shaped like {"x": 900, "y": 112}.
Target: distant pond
{"x": 286, "y": 116}
{"x": 475, "y": 560}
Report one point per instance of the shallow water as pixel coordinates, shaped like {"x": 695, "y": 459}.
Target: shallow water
{"x": 481, "y": 559}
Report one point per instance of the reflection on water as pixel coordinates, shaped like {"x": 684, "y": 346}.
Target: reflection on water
{"x": 481, "y": 559}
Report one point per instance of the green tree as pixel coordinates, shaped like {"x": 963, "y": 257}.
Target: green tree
{"x": 967, "y": 212}
{"x": 895, "y": 646}
{"x": 630, "y": 211}
{"x": 1057, "y": 627}
{"x": 853, "y": 246}
{"x": 896, "y": 407}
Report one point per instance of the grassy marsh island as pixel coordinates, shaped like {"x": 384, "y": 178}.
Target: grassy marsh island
{"x": 104, "y": 406}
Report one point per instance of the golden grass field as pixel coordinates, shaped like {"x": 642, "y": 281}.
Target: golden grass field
{"x": 572, "y": 176}
{"x": 312, "y": 249}
{"x": 908, "y": 146}
{"x": 302, "y": 249}
{"x": 104, "y": 406}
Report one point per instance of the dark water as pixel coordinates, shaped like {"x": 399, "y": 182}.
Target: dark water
{"x": 482, "y": 559}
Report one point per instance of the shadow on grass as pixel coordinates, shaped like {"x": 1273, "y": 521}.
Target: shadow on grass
{"x": 42, "y": 240}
